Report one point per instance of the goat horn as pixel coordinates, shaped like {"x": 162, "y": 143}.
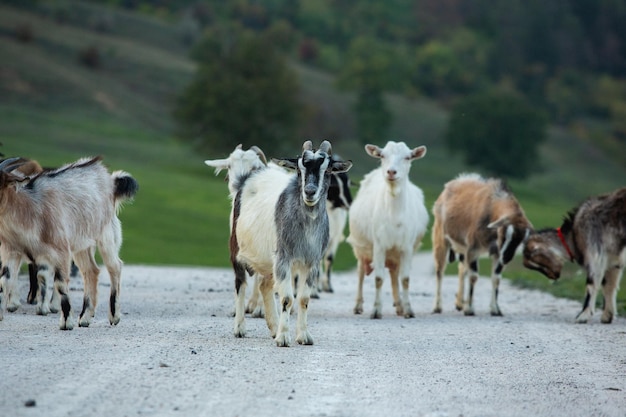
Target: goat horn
{"x": 239, "y": 146}
{"x": 307, "y": 146}
{"x": 260, "y": 153}
{"x": 325, "y": 147}
{"x": 7, "y": 163}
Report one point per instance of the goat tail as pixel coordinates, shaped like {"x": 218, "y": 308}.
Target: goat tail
{"x": 125, "y": 187}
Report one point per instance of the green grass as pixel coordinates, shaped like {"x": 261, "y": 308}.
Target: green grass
{"x": 55, "y": 110}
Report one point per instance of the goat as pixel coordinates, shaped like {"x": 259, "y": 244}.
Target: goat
{"x": 337, "y": 205}
{"x": 593, "y": 235}
{"x": 29, "y": 168}
{"x": 278, "y": 227}
{"x": 57, "y": 215}
{"x": 302, "y": 233}
{"x": 474, "y": 216}
{"x": 239, "y": 165}
{"x": 388, "y": 220}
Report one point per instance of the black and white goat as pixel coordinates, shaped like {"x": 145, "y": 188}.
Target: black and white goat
{"x": 476, "y": 216}
{"x": 280, "y": 229}
{"x": 337, "y": 205}
{"x": 54, "y": 216}
{"x": 593, "y": 235}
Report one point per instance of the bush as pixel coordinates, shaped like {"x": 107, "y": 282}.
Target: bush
{"x": 90, "y": 57}
{"x": 497, "y": 131}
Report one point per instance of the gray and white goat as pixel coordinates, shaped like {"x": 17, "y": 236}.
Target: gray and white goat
{"x": 593, "y": 235}
{"x": 60, "y": 214}
{"x": 280, "y": 229}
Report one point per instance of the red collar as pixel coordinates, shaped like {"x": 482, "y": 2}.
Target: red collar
{"x": 569, "y": 252}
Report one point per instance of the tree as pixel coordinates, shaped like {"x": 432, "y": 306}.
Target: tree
{"x": 243, "y": 92}
{"x": 368, "y": 70}
{"x": 497, "y": 131}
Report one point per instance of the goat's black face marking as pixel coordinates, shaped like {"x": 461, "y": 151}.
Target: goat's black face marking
{"x": 312, "y": 169}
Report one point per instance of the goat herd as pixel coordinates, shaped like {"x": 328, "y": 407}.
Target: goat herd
{"x": 285, "y": 229}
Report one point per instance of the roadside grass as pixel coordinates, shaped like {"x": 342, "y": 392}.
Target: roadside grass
{"x": 55, "y": 110}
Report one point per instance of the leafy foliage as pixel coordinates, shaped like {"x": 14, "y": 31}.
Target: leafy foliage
{"x": 243, "y": 92}
{"x": 497, "y": 131}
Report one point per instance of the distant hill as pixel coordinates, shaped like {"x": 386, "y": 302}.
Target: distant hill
{"x": 69, "y": 90}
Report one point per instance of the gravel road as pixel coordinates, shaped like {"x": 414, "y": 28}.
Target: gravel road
{"x": 173, "y": 354}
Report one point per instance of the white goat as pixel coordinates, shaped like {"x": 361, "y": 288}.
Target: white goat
{"x": 388, "y": 220}
{"x": 593, "y": 235}
{"x": 475, "y": 216}
{"x": 56, "y": 215}
{"x": 240, "y": 165}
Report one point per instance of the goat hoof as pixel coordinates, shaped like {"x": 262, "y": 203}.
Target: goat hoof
{"x": 583, "y": 317}
{"x": 12, "y": 307}
{"x": 497, "y": 313}
{"x": 114, "y": 320}
{"x": 283, "y": 340}
{"x": 42, "y": 311}
{"x": 468, "y": 312}
{"x": 437, "y": 310}
{"x": 66, "y": 324}
{"x": 305, "y": 338}
{"x": 409, "y": 314}
{"x": 376, "y": 315}
{"x": 606, "y": 318}
{"x": 358, "y": 310}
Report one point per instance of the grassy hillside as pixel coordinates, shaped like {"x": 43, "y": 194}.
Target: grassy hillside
{"x": 56, "y": 110}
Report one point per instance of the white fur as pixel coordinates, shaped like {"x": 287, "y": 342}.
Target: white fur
{"x": 388, "y": 219}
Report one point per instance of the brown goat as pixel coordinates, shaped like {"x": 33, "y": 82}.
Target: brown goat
{"x": 30, "y": 168}
{"x": 594, "y": 236}
{"x": 474, "y": 216}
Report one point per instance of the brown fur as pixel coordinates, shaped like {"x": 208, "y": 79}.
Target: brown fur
{"x": 595, "y": 234}
{"x": 472, "y": 216}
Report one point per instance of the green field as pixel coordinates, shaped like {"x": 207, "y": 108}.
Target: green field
{"x": 56, "y": 110}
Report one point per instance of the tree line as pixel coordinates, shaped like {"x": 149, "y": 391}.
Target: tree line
{"x": 561, "y": 62}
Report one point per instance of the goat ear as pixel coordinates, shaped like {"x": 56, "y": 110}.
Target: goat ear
{"x": 287, "y": 163}
{"x": 502, "y": 221}
{"x": 337, "y": 167}
{"x": 373, "y": 150}
{"x": 418, "y": 152}
{"x": 218, "y": 164}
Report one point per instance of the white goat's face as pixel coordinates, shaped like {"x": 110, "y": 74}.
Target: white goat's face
{"x": 395, "y": 159}
{"x": 312, "y": 171}
{"x": 239, "y": 163}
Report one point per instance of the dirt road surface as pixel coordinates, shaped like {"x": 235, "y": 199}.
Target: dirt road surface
{"x": 174, "y": 354}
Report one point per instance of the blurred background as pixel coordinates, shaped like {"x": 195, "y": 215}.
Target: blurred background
{"x": 530, "y": 90}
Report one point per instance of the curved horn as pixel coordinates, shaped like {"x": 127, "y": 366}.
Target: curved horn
{"x": 307, "y": 146}
{"x": 240, "y": 146}
{"x": 8, "y": 162}
{"x": 260, "y": 153}
{"x": 325, "y": 147}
